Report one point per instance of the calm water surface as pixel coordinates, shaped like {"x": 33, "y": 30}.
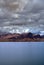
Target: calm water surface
{"x": 28, "y": 53}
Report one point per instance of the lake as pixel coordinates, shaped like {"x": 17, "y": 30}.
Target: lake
{"x": 21, "y": 53}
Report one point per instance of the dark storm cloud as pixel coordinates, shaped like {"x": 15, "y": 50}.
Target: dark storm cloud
{"x": 29, "y": 14}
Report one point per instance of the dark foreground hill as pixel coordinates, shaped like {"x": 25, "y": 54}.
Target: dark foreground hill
{"x": 25, "y": 37}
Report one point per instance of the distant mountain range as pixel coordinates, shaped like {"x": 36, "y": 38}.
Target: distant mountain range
{"x": 24, "y": 37}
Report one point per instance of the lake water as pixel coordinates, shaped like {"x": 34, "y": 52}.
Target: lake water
{"x": 22, "y": 53}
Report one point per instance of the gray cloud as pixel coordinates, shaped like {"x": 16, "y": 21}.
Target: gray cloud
{"x": 22, "y": 15}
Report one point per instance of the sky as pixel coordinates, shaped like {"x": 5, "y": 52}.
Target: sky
{"x": 19, "y": 16}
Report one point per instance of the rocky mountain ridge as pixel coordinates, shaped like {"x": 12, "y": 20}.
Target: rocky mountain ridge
{"x": 24, "y": 37}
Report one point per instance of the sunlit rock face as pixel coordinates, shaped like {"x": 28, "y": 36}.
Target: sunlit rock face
{"x": 22, "y": 16}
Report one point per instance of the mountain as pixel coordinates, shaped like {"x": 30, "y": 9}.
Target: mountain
{"x": 24, "y": 37}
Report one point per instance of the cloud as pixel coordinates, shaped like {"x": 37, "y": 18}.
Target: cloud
{"x": 27, "y": 13}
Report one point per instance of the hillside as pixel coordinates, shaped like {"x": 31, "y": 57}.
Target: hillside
{"x": 25, "y": 37}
